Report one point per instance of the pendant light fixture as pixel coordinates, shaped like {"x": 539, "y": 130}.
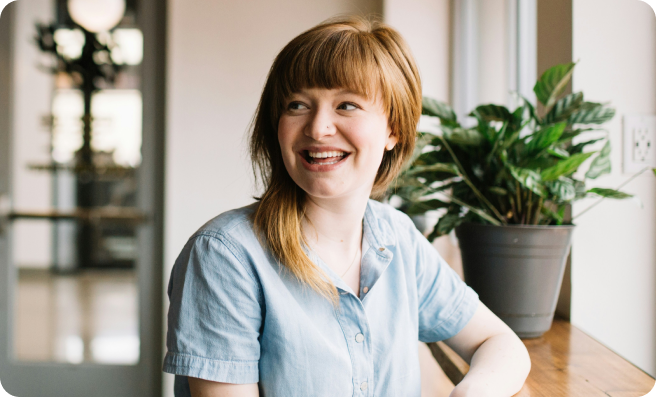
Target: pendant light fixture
{"x": 96, "y": 15}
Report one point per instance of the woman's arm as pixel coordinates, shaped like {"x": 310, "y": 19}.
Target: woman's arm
{"x": 499, "y": 361}
{"x": 206, "y": 388}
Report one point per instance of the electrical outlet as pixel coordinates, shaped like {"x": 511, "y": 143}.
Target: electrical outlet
{"x": 639, "y": 143}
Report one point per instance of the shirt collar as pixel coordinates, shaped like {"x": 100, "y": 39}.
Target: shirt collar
{"x": 380, "y": 238}
{"x": 377, "y": 230}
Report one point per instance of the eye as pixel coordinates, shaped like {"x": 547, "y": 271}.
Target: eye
{"x": 347, "y": 106}
{"x": 295, "y": 105}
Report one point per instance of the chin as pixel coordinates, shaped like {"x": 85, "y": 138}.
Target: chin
{"x": 323, "y": 192}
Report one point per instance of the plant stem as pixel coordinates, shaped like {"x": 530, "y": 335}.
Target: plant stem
{"x": 502, "y": 205}
{"x": 477, "y": 211}
{"x": 514, "y": 209}
{"x": 519, "y": 197}
{"x": 469, "y": 183}
{"x": 529, "y": 205}
{"x": 603, "y": 198}
{"x": 538, "y": 211}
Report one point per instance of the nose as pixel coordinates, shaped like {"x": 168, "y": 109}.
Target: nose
{"x": 321, "y": 123}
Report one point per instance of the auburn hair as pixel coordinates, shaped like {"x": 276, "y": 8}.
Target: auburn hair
{"x": 369, "y": 58}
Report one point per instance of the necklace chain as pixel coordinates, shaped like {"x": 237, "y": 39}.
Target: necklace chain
{"x": 352, "y": 262}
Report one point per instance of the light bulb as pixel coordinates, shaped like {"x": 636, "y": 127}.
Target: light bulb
{"x": 96, "y": 15}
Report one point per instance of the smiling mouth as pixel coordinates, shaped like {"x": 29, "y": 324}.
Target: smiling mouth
{"x": 324, "y": 158}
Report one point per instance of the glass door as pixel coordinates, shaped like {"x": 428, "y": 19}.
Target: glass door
{"x": 80, "y": 198}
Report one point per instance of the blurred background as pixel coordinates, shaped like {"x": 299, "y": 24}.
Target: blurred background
{"x": 123, "y": 128}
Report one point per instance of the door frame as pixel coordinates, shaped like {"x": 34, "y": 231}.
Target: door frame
{"x": 71, "y": 380}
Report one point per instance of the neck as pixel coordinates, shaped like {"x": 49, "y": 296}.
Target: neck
{"x": 334, "y": 221}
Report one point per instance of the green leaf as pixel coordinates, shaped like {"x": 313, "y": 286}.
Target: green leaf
{"x": 421, "y": 207}
{"x": 556, "y": 216}
{"x": 563, "y": 189}
{"x": 591, "y": 113}
{"x": 444, "y": 186}
{"x": 569, "y": 135}
{"x": 444, "y": 226}
{"x": 609, "y": 193}
{"x": 565, "y": 167}
{"x": 578, "y": 148}
{"x": 564, "y": 108}
{"x": 531, "y": 111}
{"x": 544, "y": 138}
{"x": 580, "y": 189}
{"x": 423, "y": 139}
{"x": 539, "y": 163}
{"x": 510, "y": 140}
{"x": 438, "y": 167}
{"x": 558, "y": 152}
{"x": 498, "y": 191}
{"x": 552, "y": 83}
{"x": 435, "y": 108}
{"x": 529, "y": 179}
{"x": 492, "y": 113}
{"x": 601, "y": 164}
{"x": 463, "y": 137}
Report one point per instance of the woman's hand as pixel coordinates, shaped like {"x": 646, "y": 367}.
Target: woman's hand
{"x": 206, "y": 388}
{"x": 499, "y": 361}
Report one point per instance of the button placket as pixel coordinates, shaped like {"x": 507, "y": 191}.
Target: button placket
{"x": 354, "y": 322}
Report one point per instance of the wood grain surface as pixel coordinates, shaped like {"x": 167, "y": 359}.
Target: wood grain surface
{"x": 566, "y": 363}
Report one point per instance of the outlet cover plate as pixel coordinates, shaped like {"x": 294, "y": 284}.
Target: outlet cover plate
{"x": 639, "y": 142}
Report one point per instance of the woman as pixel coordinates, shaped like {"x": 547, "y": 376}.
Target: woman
{"x": 316, "y": 290}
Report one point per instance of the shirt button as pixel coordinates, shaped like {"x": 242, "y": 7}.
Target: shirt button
{"x": 365, "y": 289}
{"x": 359, "y": 338}
{"x": 381, "y": 249}
{"x": 363, "y": 386}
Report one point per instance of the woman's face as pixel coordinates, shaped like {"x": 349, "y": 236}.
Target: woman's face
{"x": 333, "y": 140}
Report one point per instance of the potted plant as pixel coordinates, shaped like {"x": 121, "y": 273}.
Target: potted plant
{"x": 504, "y": 184}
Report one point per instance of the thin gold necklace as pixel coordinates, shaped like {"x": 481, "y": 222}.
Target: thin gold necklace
{"x": 356, "y": 251}
{"x": 352, "y": 262}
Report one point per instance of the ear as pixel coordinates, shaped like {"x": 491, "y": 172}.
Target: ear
{"x": 392, "y": 139}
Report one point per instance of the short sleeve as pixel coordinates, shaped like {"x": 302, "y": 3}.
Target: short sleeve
{"x": 446, "y": 303}
{"x": 215, "y": 314}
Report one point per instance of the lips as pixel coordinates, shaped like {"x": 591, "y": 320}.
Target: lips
{"x": 323, "y": 159}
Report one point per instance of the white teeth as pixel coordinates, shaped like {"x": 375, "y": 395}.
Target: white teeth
{"x": 323, "y": 155}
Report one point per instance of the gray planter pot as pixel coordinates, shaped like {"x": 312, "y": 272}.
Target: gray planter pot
{"x": 517, "y": 271}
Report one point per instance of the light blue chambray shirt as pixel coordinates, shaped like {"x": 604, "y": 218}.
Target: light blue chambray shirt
{"x": 238, "y": 316}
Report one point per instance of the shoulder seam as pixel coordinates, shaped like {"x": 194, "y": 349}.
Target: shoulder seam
{"x": 225, "y": 240}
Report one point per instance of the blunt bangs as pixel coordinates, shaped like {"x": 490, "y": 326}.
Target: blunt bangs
{"x": 339, "y": 58}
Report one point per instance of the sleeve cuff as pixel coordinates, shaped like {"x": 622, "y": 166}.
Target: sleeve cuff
{"x": 237, "y": 372}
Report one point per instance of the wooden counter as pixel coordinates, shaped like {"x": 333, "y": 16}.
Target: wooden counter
{"x": 566, "y": 362}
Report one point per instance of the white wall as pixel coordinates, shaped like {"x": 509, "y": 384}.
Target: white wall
{"x": 424, "y": 24}
{"x": 31, "y": 190}
{"x": 219, "y": 53}
{"x": 493, "y": 52}
{"x": 614, "y": 251}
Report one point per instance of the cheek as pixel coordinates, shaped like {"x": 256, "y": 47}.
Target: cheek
{"x": 371, "y": 139}
{"x": 285, "y": 136}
